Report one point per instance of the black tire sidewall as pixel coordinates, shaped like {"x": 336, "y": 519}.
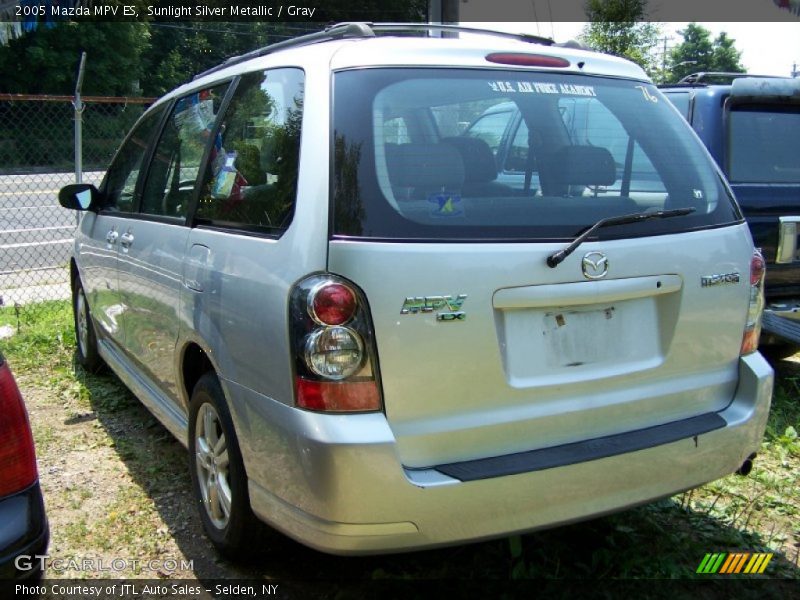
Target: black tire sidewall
{"x": 235, "y": 538}
{"x": 88, "y": 358}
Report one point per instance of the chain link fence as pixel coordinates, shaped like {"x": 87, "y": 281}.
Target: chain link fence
{"x": 37, "y": 158}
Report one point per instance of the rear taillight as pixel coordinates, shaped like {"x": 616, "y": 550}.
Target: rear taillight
{"x": 332, "y": 303}
{"x": 334, "y": 349}
{"x": 17, "y": 457}
{"x": 752, "y": 328}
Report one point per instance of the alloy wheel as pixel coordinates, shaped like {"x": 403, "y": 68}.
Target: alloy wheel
{"x": 211, "y": 460}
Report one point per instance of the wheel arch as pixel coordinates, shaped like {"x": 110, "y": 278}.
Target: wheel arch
{"x": 74, "y": 274}
{"x": 195, "y": 362}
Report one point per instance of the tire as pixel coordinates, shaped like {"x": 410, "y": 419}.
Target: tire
{"x": 780, "y": 351}
{"x": 219, "y": 481}
{"x": 85, "y": 338}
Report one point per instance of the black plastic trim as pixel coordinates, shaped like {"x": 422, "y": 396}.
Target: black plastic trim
{"x": 28, "y": 506}
{"x": 338, "y": 237}
{"x": 578, "y": 452}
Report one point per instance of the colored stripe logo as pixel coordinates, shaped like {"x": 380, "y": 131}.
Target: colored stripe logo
{"x": 723, "y": 563}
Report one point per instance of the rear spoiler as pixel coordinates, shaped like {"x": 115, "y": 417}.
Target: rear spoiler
{"x": 766, "y": 90}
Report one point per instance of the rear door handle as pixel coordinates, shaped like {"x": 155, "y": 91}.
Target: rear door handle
{"x": 111, "y": 236}
{"x": 126, "y": 240}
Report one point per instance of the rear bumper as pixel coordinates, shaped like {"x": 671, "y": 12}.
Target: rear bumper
{"x": 335, "y": 482}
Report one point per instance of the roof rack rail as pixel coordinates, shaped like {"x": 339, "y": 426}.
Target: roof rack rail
{"x": 411, "y": 27}
{"x": 703, "y": 76}
{"x": 334, "y": 32}
{"x": 367, "y": 30}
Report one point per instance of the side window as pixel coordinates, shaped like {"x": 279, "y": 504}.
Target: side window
{"x": 763, "y": 145}
{"x": 124, "y": 171}
{"x": 517, "y": 158}
{"x": 251, "y": 179}
{"x": 490, "y": 128}
{"x": 176, "y": 161}
{"x": 590, "y": 123}
{"x": 395, "y": 131}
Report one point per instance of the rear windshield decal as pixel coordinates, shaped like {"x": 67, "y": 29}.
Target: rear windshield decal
{"x": 446, "y": 205}
{"x": 536, "y": 87}
{"x": 647, "y": 95}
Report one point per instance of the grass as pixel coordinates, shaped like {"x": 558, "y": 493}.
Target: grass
{"x": 144, "y": 508}
{"x": 44, "y": 336}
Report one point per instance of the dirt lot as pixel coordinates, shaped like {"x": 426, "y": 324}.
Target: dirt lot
{"x": 116, "y": 486}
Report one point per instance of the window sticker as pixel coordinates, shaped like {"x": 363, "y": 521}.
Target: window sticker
{"x": 446, "y": 205}
{"x": 647, "y": 95}
{"x": 537, "y": 87}
{"x": 226, "y": 178}
{"x": 195, "y": 113}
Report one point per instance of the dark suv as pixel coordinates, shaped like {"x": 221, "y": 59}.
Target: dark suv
{"x": 751, "y": 127}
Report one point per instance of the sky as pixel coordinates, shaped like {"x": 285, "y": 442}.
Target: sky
{"x": 768, "y": 48}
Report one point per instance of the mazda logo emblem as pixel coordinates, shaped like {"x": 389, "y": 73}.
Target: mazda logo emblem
{"x": 594, "y": 265}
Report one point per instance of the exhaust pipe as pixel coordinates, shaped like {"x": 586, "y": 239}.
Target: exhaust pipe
{"x": 747, "y": 466}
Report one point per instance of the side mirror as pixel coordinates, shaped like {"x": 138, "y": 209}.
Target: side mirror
{"x": 79, "y": 196}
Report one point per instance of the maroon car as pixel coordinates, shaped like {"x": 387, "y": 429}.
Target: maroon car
{"x": 24, "y": 532}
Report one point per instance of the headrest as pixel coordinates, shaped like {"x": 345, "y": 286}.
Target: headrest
{"x": 479, "y": 162}
{"x": 581, "y": 165}
{"x": 428, "y": 166}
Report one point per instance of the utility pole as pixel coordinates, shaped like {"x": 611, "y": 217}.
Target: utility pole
{"x": 795, "y": 72}
{"x": 664, "y": 40}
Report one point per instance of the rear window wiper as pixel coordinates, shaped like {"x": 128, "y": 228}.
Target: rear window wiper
{"x": 557, "y": 258}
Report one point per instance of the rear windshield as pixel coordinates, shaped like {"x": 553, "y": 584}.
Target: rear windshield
{"x": 430, "y": 154}
{"x": 764, "y": 145}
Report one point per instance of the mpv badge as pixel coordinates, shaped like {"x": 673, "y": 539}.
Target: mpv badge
{"x": 450, "y": 307}
{"x": 595, "y": 265}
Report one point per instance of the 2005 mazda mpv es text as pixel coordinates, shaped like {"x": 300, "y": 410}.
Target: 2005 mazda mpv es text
{"x": 305, "y": 264}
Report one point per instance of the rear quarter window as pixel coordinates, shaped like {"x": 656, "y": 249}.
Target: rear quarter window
{"x": 764, "y": 144}
{"x": 251, "y": 179}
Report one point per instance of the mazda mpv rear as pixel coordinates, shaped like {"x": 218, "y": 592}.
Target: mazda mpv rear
{"x": 303, "y": 262}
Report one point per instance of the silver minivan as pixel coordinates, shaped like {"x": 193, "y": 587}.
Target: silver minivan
{"x": 305, "y": 265}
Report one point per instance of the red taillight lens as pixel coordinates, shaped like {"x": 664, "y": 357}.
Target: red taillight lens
{"x": 17, "y": 456}
{"x": 332, "y": 304}
{"x": 752, "y": 328}
{"x": 757, "y": 268}
{"x": 338, "y": 396}
{"x": 332, "y": 338}
{"x": 527, "y": 60}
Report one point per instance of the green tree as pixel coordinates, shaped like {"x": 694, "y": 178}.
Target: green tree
{"x": 45, "y": 60}
{"x": 180, "y": 50}
{"x": 618, "y": 27}
{"x": 726, "y": 57}
{"x": 156, "y": 56}
{"x": 698, "y": 53}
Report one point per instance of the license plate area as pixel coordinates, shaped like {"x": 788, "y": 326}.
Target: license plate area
{"x": 559, "y": 345}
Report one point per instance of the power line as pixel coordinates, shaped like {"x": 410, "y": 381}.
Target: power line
{"x": 202, "y": 29}
{"x": 228, "y": 31}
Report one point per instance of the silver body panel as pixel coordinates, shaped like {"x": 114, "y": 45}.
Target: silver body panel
{"x": 393, "y": 511}
{"x": 508, "y": 378}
